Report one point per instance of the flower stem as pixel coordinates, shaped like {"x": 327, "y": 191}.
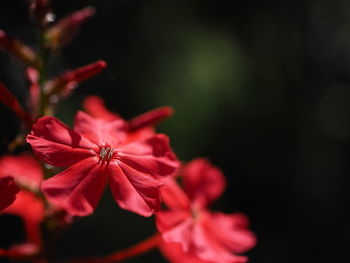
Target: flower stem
{"x": 130, "y": 252}
{"x": 44, "y": 56}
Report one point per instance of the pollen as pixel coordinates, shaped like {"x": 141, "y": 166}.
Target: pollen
{"x": 106, "y": 154}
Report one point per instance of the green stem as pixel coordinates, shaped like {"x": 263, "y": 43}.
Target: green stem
{"x": 44, "y": 57}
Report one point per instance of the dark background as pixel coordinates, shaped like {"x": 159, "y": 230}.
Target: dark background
{"x": 262, "y": 88}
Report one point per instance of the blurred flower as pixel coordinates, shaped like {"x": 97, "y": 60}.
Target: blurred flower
{"x": 21, "y": 251}
{"x": 202, "y": 234}
{"x": 27, "y": 174}
{"x": 97, "y": 151}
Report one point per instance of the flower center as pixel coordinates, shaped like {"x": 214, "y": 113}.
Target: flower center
{"x": 106, "y": 154}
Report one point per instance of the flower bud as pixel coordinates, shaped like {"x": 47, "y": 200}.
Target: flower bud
{"x": 10, "y": 101}
{"x": 67, "y": 81}
{"x": 40, "y": 12}
{"x": 152, "y": 117}
{"x": 64, "y": 31}
{"x": 18, "y": 49}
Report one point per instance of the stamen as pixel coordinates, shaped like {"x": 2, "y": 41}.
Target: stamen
{"x": 110, "y": 154}
{"x": 106, "y": 154}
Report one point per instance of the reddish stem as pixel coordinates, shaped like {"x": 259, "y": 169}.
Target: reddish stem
{"x": 130, "y": 252}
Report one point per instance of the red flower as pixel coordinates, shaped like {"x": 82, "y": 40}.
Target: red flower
{"x": 27, "y": 174}
{"x": 96, "y": 151}
{"x": 209, "y": 236}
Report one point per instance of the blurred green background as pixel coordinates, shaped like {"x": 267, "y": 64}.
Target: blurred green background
{"x": 261, "y": 88}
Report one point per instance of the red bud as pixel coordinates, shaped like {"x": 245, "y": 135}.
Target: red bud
{"x": 10, "y": 101}
{"x": 18, "y": 49}
{"x": 64, "y": 31}
{"x": 64, "y": 83}
{"x": 149, "y": 118}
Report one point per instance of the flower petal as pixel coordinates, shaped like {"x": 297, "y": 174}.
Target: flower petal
{"x": 100, "y": 132}
{"x": 174, "y": 253}
{"x": 202, "y": 238}
{"x": 134, "y": 190}
{"x": 95, "y": 107}
{"x": 23, "y": 168}
{"x": 152, "y": 156}
{"x": 232, "y": 231}
{"x": 203, "y": 182}
{"x": 181, "y": 233}
{"x": 8, "y": 191}
{"x": 77, "y": 189}
{"x": 56, "y": 144}
{"x": 207, "y": 245}
{"x": 173, "y": 195}
{"x": 168, "y": 219}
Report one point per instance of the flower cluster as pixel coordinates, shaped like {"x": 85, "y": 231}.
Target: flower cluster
{"x": 67, "y": 169}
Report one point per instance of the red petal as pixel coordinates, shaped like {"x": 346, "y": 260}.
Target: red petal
{"x": 173, "y": 195}
{"x": 56, "y": 144}
{"x": 152, "y": 156}
{"x": 203, "y": 182}
{"x": 8, "y": 191}
{"x": 232, "y": 231}
{"x": 175, "y": 254}
{"x": 95, "y": 107}
{"x": 134, "y": 190}
{"x": 168, "y": 219}
{"x": 98, "y": 131}
{"x": 181, "y": 233}
{"x": 207, "y": 245}
{"x": 141, "y": 134}
{"x": 214, "y": 239}
{"x": 11, "y": 102}
{"x": 24, "y": 169}
{"x": 150, "y": 118}
{"x": 77, "y": 189}
{"x": 31, "y": 209}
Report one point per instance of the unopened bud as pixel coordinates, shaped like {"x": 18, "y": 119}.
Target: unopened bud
{"x": 65, "y": 30}
{"x": 10, "y": 101}
{"x": 67, "y": 81}
{"x": 150, "y": 118}
{"x": 19, "y": 50}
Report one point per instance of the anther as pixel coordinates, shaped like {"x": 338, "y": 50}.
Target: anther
{"x": 106, "y": 154}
